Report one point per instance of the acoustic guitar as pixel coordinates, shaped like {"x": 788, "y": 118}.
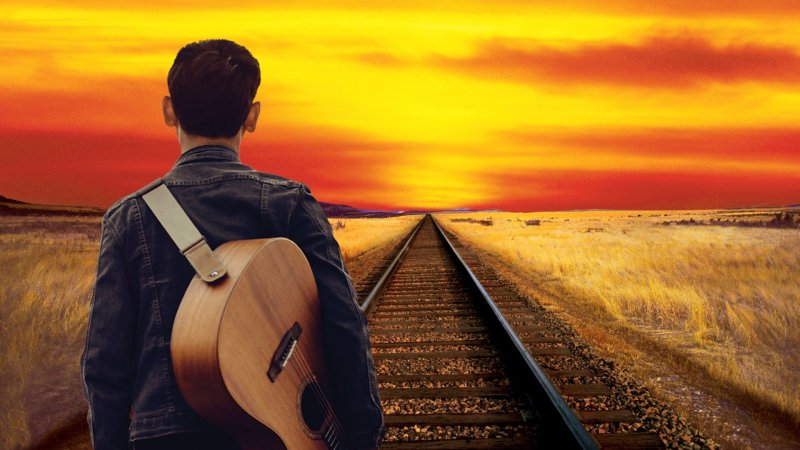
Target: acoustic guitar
{"x": 246, "y": 349}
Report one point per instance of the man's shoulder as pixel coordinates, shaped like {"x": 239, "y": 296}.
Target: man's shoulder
{"x": 122, "y": 206}
{"x": 123, "y": 212}
{"x": 119, "y": 207}
{"x": 281, "y": 182}
{"x": 244, "y": 172}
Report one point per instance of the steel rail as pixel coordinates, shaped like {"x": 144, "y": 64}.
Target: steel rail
{"x": 368, "y": 304}
{"x": 565, "y": 430}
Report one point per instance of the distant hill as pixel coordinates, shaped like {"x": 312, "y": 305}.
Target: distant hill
{"x": 334, "y": 210}
{"x": 346, "y": 211}
{"x": 12, "y": 207}
{"x": 8, "y": 200}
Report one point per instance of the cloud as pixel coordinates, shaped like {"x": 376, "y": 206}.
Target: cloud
{"x": 655, "y": 189}
{"x": 338, "y": 163}
{"x": 80, "y": 168}
{"x": 723, "y": 144}
{"x": 681, "y": 8}
{"x": 379, "y": 58}
{"x": 684, "y": 8}
{"x": 92, "y": 167}
{"x": 658, "y": 62}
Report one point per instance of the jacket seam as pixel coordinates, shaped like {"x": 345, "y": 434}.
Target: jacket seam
{"x": 156, "y": 307}
{"x": 117, "y": 206}
{"x": 211, "y": 150}
{"x": 264, "y": 208}
{"x": 212, "y": 180}
{"x": 288, "y": 184}
{"x": 318, "y": 223}
{"x": 107, "y": 223}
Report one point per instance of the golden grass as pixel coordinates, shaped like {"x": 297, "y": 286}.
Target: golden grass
{"x": 357, "y": 236}
{"x": 49, "y": 265}
{"x": 48, "y": 270}
{"x": 728, "y": 298}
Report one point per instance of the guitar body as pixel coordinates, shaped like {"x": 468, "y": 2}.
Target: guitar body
{"x": 246, "y": 350}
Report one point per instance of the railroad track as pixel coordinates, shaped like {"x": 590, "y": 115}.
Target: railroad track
{"x": 458, "y": 370}
{"x": 365, "y": 285}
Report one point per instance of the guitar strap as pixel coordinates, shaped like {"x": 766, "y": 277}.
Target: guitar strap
{"x": 183, "y": 232}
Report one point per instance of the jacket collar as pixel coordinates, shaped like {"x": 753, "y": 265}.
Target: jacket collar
{"x": 206, "y": 153}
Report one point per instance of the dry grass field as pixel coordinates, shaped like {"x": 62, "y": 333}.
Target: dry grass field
{"x": 49, "y": 264}
{"x": 48, "y": 271}
{"x": 358, "y": 236}
{"x": 722, "y": 295}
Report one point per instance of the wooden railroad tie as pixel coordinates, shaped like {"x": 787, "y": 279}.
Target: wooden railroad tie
{"x": 620, "y": 415}
{"x": 506, "y": 443}
{"x": 549, "y": 351}
{"x": 495, "y": 391}
{"x": 438, "y": 307}
{"x": 383, "y": 331}
{"x": 639, "y": 441}
{"x": 440, "y": 377}
{"x": 397, "y": 420}
{"x": 540, "y": 340}
{"x": 428, "y": 322}
{"x": 437, "y": 311}
{"x": 436, "y": 355}
{"x": 429, "y": 343}
{"x": 406, "y": 303}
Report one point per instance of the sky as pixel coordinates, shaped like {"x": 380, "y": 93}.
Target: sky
{"x": 518, "y": 105}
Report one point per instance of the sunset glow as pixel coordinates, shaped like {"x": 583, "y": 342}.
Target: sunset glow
{"x": 514, "y": 105}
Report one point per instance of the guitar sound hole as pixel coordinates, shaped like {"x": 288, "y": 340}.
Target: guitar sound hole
{"x": 311, "y": 407}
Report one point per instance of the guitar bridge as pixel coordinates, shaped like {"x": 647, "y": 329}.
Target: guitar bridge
{"x": 284, "y": 351}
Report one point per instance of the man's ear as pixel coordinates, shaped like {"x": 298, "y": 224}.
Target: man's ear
{"x": 169, "y": 114}
{"x": 252, "y": 117}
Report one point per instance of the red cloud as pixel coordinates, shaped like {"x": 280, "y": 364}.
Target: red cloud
{"x": 723, "y": 144}
{"x": 90, "y": 168}
{"x": 559, "y": 190}
{"x": 677, "y": 8}
{"x": 671, "y": 62}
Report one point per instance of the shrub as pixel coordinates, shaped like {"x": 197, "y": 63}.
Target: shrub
{"x": 485, "y": 222}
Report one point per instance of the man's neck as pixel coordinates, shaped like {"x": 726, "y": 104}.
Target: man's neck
{"x": 190, "y": 141}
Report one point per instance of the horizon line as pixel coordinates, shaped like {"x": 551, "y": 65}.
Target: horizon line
{"x": 4, "y": 199}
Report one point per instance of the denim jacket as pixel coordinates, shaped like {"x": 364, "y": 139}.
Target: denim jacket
{"x": 129, "y": 382}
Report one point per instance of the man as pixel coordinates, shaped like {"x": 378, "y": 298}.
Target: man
{"x": 129, "y": 381}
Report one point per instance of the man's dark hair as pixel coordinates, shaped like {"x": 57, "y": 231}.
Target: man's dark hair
{"x": 212, "y": 84}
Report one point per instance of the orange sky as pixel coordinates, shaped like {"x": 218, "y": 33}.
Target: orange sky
{"x": 520, "y": 105}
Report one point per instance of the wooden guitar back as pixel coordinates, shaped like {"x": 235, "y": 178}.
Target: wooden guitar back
{"x": 227, "y": 336}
